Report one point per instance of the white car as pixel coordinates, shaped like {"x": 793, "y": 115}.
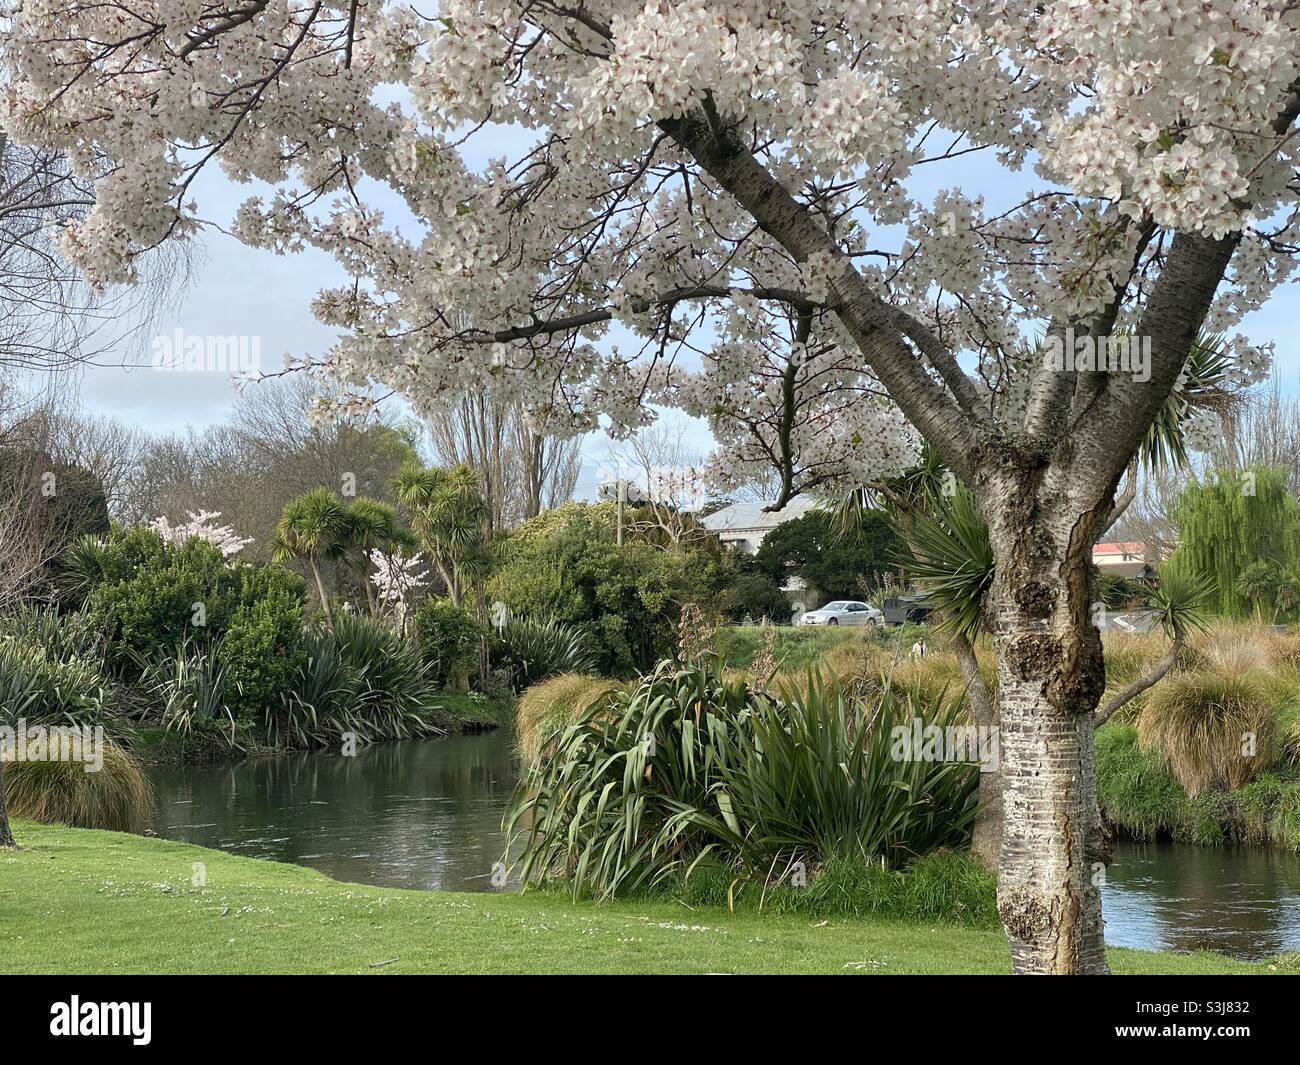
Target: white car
{"x": 844, "y": 612}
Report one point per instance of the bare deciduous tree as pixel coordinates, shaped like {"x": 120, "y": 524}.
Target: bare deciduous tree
{"x": 522, "y": 470}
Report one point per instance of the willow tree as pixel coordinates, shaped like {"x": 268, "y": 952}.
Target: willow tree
{"x": 729, "y": 183}
{"x": 1236, "y": 527}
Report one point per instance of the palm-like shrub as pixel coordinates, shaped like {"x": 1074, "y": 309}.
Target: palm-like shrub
{"x": 315, "y": 527}
{"x": 360, "y": 677}
{"x": 1214, "y": 728}
{"x": 188, "y": 687}
{"x": 690, "y": 766}
{"x": 118, "y": 796}
{"x": 43, "y": 689}
{"x": 450, "y": 515}
{"x": 949, "y": 554}
{"x": 547, "y": 708}
{"x": 82, "y": 565}
{"x": 535, "y": 648}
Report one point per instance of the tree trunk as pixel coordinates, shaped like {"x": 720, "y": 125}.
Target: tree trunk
{"x": 371, "y": 605}
{"x": 7, "y": 841}
{"x": 320, "y": 591}
{"x": 1050, "y": 676}
{"x": 986, "y": 834}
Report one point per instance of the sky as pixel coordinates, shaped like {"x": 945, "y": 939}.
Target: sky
{"x": 264, "y": 299}
{"x": 234, "y": 290}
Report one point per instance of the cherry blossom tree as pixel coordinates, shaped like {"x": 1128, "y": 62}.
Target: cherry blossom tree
{"x": 204, "y": 526}
{"x": 716, "y": 207}
{"x": 395, "y": 577}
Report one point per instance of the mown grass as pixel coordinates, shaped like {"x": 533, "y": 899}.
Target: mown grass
{"x": 79, "y": 901}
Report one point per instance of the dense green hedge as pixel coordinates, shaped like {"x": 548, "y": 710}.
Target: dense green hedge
{"x": 449, "y": 639}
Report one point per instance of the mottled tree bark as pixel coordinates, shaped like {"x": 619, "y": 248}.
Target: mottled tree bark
{"x": 1050, "y": 677}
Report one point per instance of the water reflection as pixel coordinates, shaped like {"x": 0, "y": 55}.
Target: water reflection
{"x": 1240, "y": 901}
{"x": 421, "y": 814}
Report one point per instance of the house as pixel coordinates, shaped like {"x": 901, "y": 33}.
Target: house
{"x": 1126, "y": 559}
{"x": 743, "y": 526}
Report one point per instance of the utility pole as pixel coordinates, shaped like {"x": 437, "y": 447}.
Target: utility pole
{"x": 622, "y": 496}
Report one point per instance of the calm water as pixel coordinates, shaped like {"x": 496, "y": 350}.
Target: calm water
{"x": 418, "y": 814}
{"x": 1241, "y": 901}
{"x": 428, "y": 815}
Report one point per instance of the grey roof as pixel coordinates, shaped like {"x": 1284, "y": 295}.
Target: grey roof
{"x": 740, "y": 516}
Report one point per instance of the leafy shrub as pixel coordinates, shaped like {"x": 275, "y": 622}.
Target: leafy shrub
{"x": 566, "y": 564}
{"x": 260, "y": 652}
{"x": 1119, "y": 593}
{"x": 448, "y": 637}
{"x": 813, "y": 548}
{"x": 118, "y": 796}
{"x": 754, "y": 596}
{"x": 689, "y": 767}
{"x": 145, "y": 595}
{"x": 532, "y": 649}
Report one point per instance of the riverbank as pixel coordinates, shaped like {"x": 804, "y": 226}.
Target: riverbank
{"x": 79, "y": 901}
{"x": 458, "y": 714}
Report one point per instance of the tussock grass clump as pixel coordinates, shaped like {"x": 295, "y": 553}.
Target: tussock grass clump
{"x": 1234, "y": 649}
{"x": 118, "y": 797}
{"x": 932, "y": 680}
{"x": 1285, "y": 649}
{"x": 1140, "y": 795}
{"x": 1214, "y": 729}
{"x": 1128, "y": 655}
{"x": 548, "y": 707}
{"x": 852, "y": 665}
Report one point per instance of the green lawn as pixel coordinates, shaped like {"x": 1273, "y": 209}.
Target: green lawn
{"x": 77, "y": 901}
